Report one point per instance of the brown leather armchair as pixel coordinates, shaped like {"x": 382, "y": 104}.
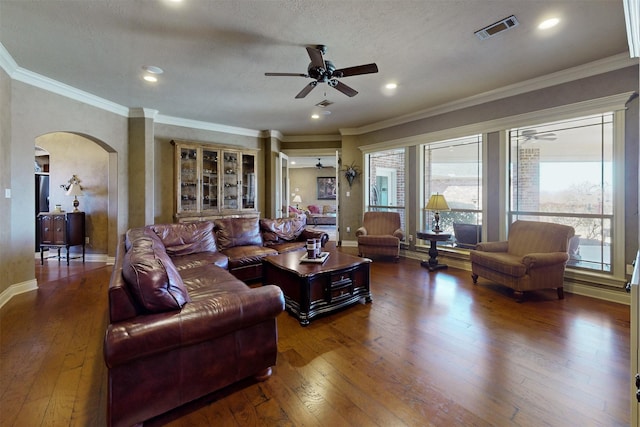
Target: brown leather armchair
{"x": 534, "y": 257}
{"x": 380, "y": 234}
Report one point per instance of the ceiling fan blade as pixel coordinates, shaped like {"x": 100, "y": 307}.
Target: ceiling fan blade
{"x": 286, "y": 74}
{"x": 316, "y": 57}
{"x": 308, "y": 88}
{"x": 357, "y": 70}
{"x": 345, "y": 89}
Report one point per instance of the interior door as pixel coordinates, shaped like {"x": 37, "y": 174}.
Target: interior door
{"x": 282, "y": 187}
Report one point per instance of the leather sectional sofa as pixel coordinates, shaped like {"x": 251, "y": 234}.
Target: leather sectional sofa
{"x": 181, "y": 325}
{"x": 245, "y": 241}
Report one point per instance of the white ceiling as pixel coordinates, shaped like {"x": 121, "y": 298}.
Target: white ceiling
{"x": 214, "y": 53}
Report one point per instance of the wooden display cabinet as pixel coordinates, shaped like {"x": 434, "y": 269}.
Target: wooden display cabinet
{"x": 214, "y": 181}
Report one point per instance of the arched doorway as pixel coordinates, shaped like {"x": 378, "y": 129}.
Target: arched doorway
{"x": 92, "y": 161}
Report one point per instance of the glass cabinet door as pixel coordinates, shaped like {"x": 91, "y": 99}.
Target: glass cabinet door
{"x": 209, "y": 180}
{"x": 248, "y": 181}
{"x": 188, "y": 180}
{"x": 230, "y": 180}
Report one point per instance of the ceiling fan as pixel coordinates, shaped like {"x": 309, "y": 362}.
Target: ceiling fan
{"x": 323, "y": 71}
{"x": 533, "y": 135}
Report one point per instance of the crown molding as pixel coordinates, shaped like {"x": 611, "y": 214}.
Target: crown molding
{"x": 54, "y": 86}
{"x": 632, "y": 21}
{"x": 595, "y": 106}
{"x": 271, "y": 133}
{"x": 601, "y": 66}
{"x": 142, "y": 113}
{"x": 197, "y": 124}
{"x": 310, "y": 138}
{"x": 8, "y": 64}
{"x": 37, "y": 80}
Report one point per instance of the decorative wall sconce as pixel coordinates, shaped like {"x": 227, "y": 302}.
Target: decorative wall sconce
{"x": 351, "y": 172}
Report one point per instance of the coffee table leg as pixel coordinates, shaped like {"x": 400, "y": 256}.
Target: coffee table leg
{"x": 304, "y": 319}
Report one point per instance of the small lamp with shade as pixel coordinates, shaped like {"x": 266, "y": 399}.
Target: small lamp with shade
{"x": 437, "y": 203}
{"x": 74, "y": 190}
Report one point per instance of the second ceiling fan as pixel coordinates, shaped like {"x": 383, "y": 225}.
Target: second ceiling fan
{"x": 323, "y": 71}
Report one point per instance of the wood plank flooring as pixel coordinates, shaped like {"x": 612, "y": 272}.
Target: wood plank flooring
{"x": 431, "y": 350}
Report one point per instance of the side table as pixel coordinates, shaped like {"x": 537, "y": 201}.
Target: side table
{"x": 61, "y": 230}
{"x": 434, "y": 238}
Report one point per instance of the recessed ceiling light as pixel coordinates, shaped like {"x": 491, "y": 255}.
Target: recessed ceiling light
{"x": 391, "y": 85}
{"x": 151, "y": 79}
{"x": 315, "y": 116}
{"x": 548, "y": 23}
{"x": 152, "y": 69}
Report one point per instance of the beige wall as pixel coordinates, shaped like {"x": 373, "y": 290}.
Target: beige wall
{"x": 305, "y": 181}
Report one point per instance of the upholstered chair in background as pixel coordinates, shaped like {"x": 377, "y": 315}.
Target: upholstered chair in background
{"x": 380, "y": 234}
{"x": 533, "y": 257}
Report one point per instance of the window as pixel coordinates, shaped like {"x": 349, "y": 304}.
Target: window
{"x": 386, "y": 185}
{"x": 453, "y": 168}
{"x": 562, "y": 172}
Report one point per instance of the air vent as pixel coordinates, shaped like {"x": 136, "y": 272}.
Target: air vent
{"x": 324, "y": 104}
{"x": 497, "y": 28}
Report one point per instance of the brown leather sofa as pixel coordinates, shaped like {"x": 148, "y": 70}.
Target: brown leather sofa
{"x": 180, "y": 325}
{"x": 246, "y": 241}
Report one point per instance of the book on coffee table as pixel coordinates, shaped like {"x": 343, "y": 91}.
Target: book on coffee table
{"x": 323, "y": 257}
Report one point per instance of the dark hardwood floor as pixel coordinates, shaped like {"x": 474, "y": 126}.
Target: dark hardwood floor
{"x": 432, "y": 349}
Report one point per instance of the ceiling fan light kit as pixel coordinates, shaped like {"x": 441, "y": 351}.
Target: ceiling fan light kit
{"x": 324, "y": 71}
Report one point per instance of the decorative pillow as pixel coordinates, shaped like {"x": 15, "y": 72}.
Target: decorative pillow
{"x": 231, "y": 232}
{"x": 314, "y": 209}
{"x": 152, "y": 277}
{"x": 294, "y": 210}
{"x": 186, "y": 238}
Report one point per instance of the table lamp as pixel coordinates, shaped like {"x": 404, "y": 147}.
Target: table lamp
{"x": 75, "y": 191}
{"x": 297, "y": 200}
{"x": 437, "y": 203}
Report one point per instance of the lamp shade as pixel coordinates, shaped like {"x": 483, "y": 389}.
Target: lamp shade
{"x": 437, "y": 202}
{"x": 297, "y": 199}
{"x": 74, "y": 190}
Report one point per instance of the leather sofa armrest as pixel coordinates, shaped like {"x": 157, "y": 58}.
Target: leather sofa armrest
{"x": 196, "y": 322}
{"x": 536, "y": 260}
{"x": 399, "y": 234}
{"x": 361, "y": 232}
{"x": 314, "y": 234}
{"x": 493, "y": 246}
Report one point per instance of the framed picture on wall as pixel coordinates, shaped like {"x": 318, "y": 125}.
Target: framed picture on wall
{"x": 326, "y": 188}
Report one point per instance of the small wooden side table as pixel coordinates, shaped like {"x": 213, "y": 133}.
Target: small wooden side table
{"x": 432, "y": 264}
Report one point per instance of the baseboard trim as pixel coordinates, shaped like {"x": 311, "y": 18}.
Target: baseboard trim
{"x": 17, "y": 289}
{"x": 593, "y": 291}
{"x": 87, "y": 257}
{"x": 349, "y": 243}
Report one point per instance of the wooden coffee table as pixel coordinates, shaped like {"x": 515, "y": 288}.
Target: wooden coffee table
{"x": 312, "y": 289}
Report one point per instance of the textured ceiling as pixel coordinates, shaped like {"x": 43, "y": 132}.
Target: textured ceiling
{"x": 215, "y": 53}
